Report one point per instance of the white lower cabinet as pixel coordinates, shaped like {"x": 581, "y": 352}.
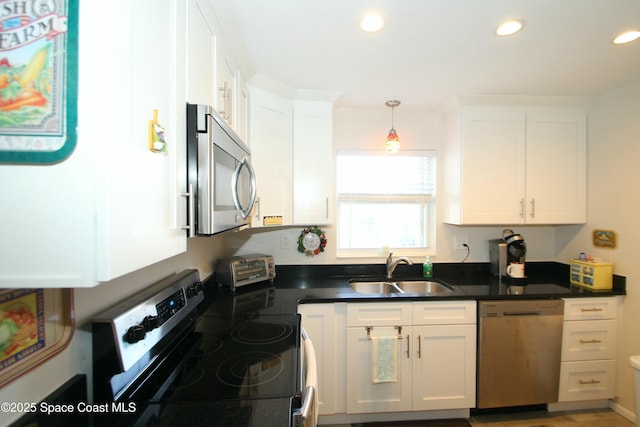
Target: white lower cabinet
{"x": 589, "y": 340}
{"x": 435, "y": 359}
{"x": 445, "y": 366}
{"x": 326, "y": 326}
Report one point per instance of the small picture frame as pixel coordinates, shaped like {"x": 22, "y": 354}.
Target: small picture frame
{"x": 605, "y": 239}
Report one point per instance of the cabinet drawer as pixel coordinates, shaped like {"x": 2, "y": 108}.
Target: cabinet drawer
{"x": 589, "y": 380}
{"x": 590, "y": 308}
{"x": 589, "y": 340}
{"x": 444, "y": 312}
{"x": 379, "y": 314}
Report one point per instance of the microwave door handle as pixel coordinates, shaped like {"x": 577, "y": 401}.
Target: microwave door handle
{"x": 234, "y": 184}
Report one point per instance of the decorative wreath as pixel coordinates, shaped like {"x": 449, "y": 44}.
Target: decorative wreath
{"x": 312, "y": 241}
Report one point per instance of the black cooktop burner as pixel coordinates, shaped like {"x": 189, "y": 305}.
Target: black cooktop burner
{"x": 261, "y": 332}
{"x": 242, "y": 357}
{"x": 250, "y": 369}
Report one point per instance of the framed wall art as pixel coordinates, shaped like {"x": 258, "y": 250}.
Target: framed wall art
{"x": 38, "y": 80}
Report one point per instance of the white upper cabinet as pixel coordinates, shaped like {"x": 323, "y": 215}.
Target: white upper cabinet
{"x": 556, "y": 174}
{"x": 271, "y": 142}
{"x": 225, "y": 86}
{"x": 113, "y": 206}
{"x": 515, "y": 165}
{"x": 291, "y": 152}
{"x": 312, "y": 162}
{"x": 213, "y": 77}
{"x": 201, "y": 54}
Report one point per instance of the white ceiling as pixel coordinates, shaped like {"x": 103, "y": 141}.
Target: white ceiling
{"x": 432, "y": 50}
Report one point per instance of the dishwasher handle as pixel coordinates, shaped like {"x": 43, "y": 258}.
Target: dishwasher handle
{"x": 525, "y": 313}
{"x": 514, "y": 308}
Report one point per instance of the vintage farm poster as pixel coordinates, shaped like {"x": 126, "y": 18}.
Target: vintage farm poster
{"x": 38, "y": 80}
{"x": 22, "y": 330}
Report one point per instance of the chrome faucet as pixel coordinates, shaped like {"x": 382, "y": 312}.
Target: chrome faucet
{"x": 391, "y": 264}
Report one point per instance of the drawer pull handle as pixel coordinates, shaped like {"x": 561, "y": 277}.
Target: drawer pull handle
{"x": 581, "y": 382}
{"x": 408, "y": 341}
{"x": 593, "y": 341}
{"x": 419, "y": 347}
{"x": 590, "y": 309}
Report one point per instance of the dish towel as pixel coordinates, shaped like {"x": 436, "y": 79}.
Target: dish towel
{"x": 384, "y": 361}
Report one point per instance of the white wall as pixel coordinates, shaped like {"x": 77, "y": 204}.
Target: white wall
{"x": 417, "y": 129}
{"x": 614, "y": 204}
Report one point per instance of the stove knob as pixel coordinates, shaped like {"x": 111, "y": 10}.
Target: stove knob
{"x": 150, "y": 323}
{"x": 194, "y": 289}
{"x": 134, "y": 334}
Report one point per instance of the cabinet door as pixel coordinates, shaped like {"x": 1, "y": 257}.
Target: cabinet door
{"x": 141, "y": 193}
{"x": 365, "y": 396}
{"x": 556, "y": 167}
{"x": 112, "y": 207}
{"x": 444, "y": 365}
{"x": 201, "y": 54}
{"x": 492, "y": 167}
{"x": 225, "y": 85}
{"x": 326, "y": 326}
{"x": 242, "y": 105}
{"x": 271, "y": 141}
{"x": 312, "y": 162}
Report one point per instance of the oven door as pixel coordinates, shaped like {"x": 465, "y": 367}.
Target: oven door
{"x": 307, "y": 414}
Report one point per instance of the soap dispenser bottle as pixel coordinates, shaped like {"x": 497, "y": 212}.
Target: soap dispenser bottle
{"x": 427, "y": 268}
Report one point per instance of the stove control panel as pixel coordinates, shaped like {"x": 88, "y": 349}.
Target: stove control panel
{"x": 170, "y": 305}
{"x": 141, "y": 321}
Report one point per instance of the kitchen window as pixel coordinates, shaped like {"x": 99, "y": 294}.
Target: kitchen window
{"x": 386, "y": 202}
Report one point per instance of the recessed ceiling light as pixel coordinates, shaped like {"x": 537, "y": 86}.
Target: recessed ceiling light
{"x": 509, "y": 27}
{"x": 371, "y": 23}
{"x": 627, "y": 37}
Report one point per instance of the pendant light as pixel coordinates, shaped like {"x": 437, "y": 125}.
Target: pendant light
{"x": 393, "y": 142}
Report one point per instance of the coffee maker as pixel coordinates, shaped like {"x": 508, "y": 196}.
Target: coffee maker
{"x": 502, "y": 252}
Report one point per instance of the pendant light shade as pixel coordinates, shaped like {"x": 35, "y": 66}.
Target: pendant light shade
{"x": 392, "y": 145}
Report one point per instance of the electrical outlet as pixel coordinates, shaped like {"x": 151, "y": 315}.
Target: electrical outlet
{"x": 459, "y": 242}
{"x": 286, "y": 242}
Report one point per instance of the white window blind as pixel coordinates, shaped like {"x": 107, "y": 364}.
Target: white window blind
{"x": 385, "y": 200}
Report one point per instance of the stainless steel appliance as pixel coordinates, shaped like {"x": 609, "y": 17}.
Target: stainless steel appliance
{"x": 236, "y": 361}
{"x": 519, "y": 345}
{"x": 238, "y": 271}
{"x": 502, "y": 252}
{"x": 221, "y": 181}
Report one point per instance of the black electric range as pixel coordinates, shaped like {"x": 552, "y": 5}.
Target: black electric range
{"x": 229, "y": 364}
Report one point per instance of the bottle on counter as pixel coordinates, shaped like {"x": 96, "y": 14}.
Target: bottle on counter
{"x": 427, "y": 268}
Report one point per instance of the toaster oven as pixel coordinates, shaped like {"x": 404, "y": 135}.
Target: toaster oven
{"x": 238, "y": 271}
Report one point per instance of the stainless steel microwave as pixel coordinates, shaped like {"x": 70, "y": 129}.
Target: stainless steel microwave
{"x": 221, "y": 182}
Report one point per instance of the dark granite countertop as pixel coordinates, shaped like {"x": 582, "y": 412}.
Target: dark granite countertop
{"x": 303, "y": 284}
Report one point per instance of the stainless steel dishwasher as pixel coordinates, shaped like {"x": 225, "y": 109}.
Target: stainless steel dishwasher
{"x": 519, "y": 344}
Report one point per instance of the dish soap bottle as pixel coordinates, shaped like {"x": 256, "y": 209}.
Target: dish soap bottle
{"x": 427, "y": 268}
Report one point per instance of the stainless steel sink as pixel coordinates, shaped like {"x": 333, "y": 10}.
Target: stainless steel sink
{"x": 375, "y": 287}
{"x": 421, "y": 287}
{"x": 424, "y": 287}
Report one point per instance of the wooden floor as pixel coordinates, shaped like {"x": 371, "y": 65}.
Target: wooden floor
{"x": 597, "y": 418}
